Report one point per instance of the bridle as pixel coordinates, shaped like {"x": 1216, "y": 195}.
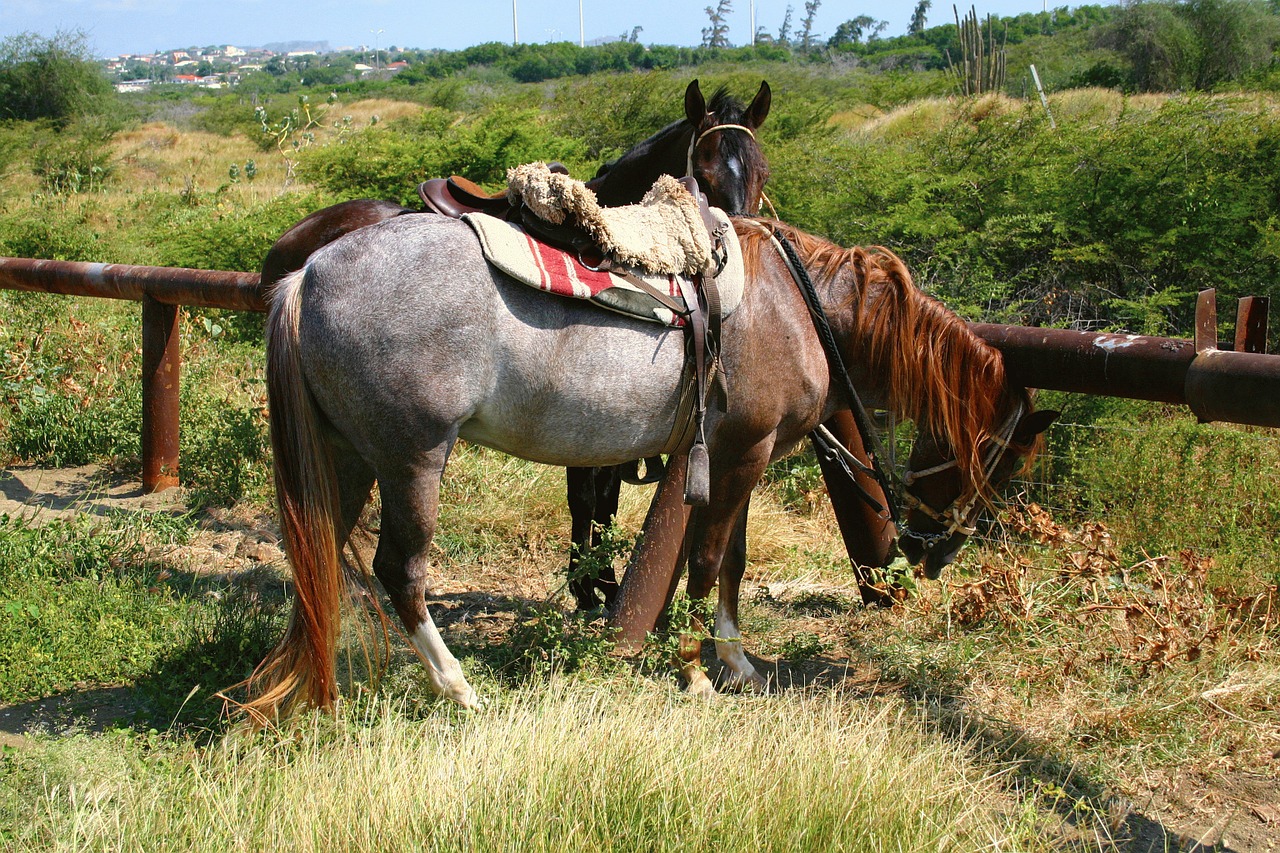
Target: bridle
{"x": 955, "y": 517}
{"x": 698, "y": 137}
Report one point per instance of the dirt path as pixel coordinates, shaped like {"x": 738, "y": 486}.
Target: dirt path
{"x": 41, "y": 493}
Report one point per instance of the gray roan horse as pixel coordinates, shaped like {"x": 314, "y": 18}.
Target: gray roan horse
{"x": 399, "y": 339}
{"x": 714, "y": 143}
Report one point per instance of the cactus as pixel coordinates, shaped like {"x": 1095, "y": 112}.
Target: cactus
{"x": 982, "y": 63}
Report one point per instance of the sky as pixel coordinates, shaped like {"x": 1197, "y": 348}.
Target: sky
{"x": 113, "y": 27}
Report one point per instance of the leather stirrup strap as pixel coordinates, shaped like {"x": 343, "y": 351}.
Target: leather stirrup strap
{"x": 697, "y": 491}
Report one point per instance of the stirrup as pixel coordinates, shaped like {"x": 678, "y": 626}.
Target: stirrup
{"x": 654, "y": 470}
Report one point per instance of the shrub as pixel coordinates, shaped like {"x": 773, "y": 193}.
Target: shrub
{"x": 51, "y": 78}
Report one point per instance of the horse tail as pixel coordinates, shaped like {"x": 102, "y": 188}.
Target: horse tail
{"x": 300, "y": 670}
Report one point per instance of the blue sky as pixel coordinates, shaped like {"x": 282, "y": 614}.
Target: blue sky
{"x": 142, "y": 26}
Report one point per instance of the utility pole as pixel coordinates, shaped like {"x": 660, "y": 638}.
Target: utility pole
{"x": 376, "y": 33}
{"x": 515, "y": 23}
{"x": 582, "y": 32}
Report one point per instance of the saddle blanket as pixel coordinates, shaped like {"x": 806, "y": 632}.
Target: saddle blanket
{"x": 509, "y": 248}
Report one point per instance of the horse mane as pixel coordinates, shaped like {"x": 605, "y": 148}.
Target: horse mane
{"x": 934, "y": 369}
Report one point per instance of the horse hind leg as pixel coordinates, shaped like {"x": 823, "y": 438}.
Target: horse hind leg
{"x": 410, "y": 503}
{"x": 593, "y": 503}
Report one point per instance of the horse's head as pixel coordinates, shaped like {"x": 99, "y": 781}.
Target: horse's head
{"x": 724, "y": 155}
{"x": 943, "y": 498}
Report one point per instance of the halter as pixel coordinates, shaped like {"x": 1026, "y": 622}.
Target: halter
{"x": 954, "y": 518}
{"x": 694, "y": 140}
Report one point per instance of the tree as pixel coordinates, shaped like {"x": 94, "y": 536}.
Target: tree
{"x": 51, "y": 78}
{"x": 807, "y": 35}
{"x": 918, "y": 17}
{"x": 1195, "y": 44}
{"x": 717, "y": 35}
{"x": 784, "y": 31}
{"x": 852, "y": 31}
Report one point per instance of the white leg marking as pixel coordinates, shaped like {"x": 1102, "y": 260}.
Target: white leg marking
{"x": 442, "y": 667}
{"x": 742, "y": 675}
{"x": 699, "y": 684}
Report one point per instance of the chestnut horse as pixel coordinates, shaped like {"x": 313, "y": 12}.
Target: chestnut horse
{"x": 714, "y": 142}
{"x": 399, "y": 339}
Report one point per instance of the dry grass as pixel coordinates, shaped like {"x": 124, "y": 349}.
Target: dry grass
{"x": 570, "y": 766}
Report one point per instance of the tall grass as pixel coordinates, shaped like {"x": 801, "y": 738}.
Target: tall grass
{"x": 574, "y": 765}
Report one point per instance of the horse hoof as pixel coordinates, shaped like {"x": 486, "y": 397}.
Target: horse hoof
{"x": 465, "y": 696}
{"x": 747, "y": 682}
{"x": 699, "y": 686}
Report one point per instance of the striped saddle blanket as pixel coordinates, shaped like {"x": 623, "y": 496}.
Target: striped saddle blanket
{"x": 511, "y": 249}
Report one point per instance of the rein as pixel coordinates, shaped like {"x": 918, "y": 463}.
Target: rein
{"x": 954, "y": 517}
{"x": 821, "y": 436}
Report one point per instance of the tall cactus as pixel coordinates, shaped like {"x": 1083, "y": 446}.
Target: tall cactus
{"x": 982, "y": 62}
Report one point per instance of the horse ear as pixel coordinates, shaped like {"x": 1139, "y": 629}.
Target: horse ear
{"x": 1034, "y": 424}
{"x": 695, "y": 106}
{"x": 759, "y": 109}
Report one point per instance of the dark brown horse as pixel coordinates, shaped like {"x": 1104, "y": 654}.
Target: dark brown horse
{"x": 714, "y": 142}
{"x": 372, "y": 378}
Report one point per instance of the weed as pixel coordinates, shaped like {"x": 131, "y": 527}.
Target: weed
{"x": 546, "y": 639}
{"x": 683, "y": 625}
{"x": 803, "y": 646}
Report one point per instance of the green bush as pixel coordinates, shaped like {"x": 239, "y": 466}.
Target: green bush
{"x": 1162, "y": 482}
{"x": 390, "y": 162}
{"x": 75, "y": 159}
{"x": 223, "y": 445}
{"x": 52, "y": 78}
{"x": 59, "y": 430}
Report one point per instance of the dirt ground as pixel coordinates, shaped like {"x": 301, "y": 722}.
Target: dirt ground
{"x": 1195, "y": 811}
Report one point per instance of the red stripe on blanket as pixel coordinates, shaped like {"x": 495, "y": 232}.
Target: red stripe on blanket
{"x": 563, "y": 273}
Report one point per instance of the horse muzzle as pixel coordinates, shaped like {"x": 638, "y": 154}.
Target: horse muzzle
{"x": 934, "y": 551}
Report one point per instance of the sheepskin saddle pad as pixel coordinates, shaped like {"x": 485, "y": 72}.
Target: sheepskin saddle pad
{"x": 661, "y": 238}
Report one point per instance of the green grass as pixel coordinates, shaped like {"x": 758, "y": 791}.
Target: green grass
{"x": 92, "y": 602}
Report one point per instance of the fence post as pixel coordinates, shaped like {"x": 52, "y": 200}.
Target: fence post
{"x": 161, "y": 363}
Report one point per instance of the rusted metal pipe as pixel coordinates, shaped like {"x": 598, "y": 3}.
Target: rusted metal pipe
{"x": 1216, "y": 385}
{"x": 1134, "y": 366}
{"x": 1251, "y": 324}
{"x": 655, "y": 566}
{"x": 169, "y": 285}
{"x": 161, "y": 367}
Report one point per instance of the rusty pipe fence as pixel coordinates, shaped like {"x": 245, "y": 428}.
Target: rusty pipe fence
{"x": 1236, "y": 382}
{"x": 161, "y": 290}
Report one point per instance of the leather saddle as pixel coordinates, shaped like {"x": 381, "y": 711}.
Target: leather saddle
{"x": 455, "y": 196}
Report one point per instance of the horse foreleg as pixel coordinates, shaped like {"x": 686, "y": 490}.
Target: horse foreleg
{"x": 410, "y": 501}
{"x": 718, "y": 532}
{"x": 742, "y": 673}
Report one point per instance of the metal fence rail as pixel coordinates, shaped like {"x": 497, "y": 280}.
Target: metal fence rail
{"x": 161, "y": 290}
